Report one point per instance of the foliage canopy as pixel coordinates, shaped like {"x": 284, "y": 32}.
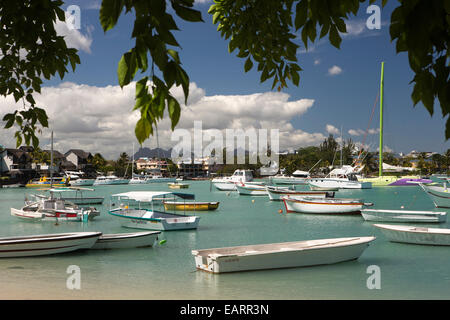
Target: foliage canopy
{"x": 263, "y": 32}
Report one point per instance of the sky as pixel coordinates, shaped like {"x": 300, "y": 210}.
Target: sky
{"x": 337, "y": 91}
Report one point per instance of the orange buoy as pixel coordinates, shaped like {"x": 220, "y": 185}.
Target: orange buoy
{"x": 280, "y": 211}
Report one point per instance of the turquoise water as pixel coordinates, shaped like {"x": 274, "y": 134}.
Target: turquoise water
{"x": 168, "y": 271}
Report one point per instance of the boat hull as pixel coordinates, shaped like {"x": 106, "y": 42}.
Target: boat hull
{"x": 334, "y": 184}
{"x": 276, "y": 194}
{"x": 283, "y": 255}
{"x": 298, "y": 205}
{"x": 225, "y": 186}
{"x": 178, "y": 185}
{"x": 158, "y": 180}
{"x": 439, "y": 195}
{"x": 147, "y": 222}
{"x": 43, "y": 216}
{"x": 126, "y": 240}
{"x": 252, "y": 190}
{"x": 191, "y": 206}
{"x": 403, "y": 216}
{"x": 39, "y": 245}
{"x": 288, "y": 180}
{"x": 416, "y": 235}
{"x": 111, "y": 182}
{"x": 82, "y": 182}
{"x": 409, "y": 181}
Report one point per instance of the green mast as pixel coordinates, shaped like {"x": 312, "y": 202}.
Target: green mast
{"x": 380, "y": 157}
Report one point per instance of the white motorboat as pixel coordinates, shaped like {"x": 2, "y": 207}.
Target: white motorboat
{"x": 108, "y": 180}
{"x": 229, "y": 183}
{"x": 159, "y": 178}
{"x": 51, "y": 209}
{"x": 416, "y": 235}
{"x": 339, "y": 178}
{"x": 138, "y": 180}
{"x": 323, "y": 205}
{"x": 126, "y": 240}
{"x": 251, "y": 189}
{"x": 297, "y": 177}
{"x": 75, "y": 179}
{"x": 150, "y": 218}
{"x": 280, "y": 255}
{"x": 403, "y": 215}
{"x": 440, "y": 195}
{"x": 46, "y": 244}
{"x": 275, "y": 193}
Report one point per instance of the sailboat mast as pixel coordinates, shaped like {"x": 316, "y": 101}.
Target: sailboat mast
{"x": 380, "y": 157}
{"x": 51, "y": 162}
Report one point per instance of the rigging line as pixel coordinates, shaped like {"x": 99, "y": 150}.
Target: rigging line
{"x": 368, "y": 125}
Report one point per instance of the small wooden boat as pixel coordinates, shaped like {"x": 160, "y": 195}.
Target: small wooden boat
{"x": 416, "y": 235}
{"x": 46, "y": 244}
{"x": 126, "y": 240}
{"x": 191, "y": 206}
{"x": 324, "y": 205}
{"x": 134, "y": 216}
{"x": 178, "y": 185}
{"x": 403, "y": 215}
{"x": 275, "y": 193}
{"x": 251, "y": 189}
{"x": 50, "y": 209}
{"x": 280, "y": 255}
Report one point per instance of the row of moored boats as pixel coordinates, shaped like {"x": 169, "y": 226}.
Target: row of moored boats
{"x": 148, "y": 210}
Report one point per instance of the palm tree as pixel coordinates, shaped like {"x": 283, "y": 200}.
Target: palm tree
{"x": 437, "y": 160}
{"x": 98, "y": 162}
{"x": 370, "y": 163}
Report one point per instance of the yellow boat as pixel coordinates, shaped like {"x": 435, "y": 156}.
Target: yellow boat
{"x": 45, "y": 182}
{"x": 176, "y": 185}
{"x": 190, "y": 206}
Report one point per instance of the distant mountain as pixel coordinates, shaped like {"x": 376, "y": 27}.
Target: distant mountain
{"x": 152, "y": 153}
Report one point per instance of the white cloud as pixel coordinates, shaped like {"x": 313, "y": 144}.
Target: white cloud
{"x": 100, "y": 119}
{"x": 354, "y": 132}
{"x": 74, "y": 38}
{"x": 359, "y": 132}
{"x": 332, "y": 129}
{"x": 334, "y": 70}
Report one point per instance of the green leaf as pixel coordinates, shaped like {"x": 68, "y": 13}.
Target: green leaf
{"x": 248, "y": 65}
{"x": 143, "y": 130}
{"x": 109, "y": 13}
{"x": 127, "y": 68}
{"x": 335, "y": 38}
{"x": 295, "y": 77}
{"x": 301, "y": 14}
{"x": 10, "y": 118}
{"x": 187, "y": 13}
{"x": 42, "y": 116}
{"x": 174, "y": 55}
{"x": 141, "y": 86}
{"x": 174, "y": 111}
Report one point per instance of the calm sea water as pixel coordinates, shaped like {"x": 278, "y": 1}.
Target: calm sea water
{"x": 168, "y": 271}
